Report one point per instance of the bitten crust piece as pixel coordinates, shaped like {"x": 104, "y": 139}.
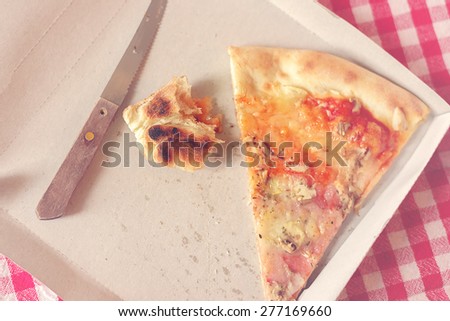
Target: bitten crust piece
{"x": 173, "y": 128}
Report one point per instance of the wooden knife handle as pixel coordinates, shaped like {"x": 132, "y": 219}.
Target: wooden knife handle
{"x": 57, "y": 196}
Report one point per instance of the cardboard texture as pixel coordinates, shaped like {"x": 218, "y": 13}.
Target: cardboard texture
{"x": 154, "y": 233}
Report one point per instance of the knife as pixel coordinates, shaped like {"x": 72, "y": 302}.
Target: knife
{"x": 54, "y": 201}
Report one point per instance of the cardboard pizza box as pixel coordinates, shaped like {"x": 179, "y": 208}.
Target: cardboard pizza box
{"x": 148, "y": 233}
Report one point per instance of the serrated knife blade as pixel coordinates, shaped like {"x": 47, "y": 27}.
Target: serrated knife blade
{"x": 55, "y": 199}
{"x": 118, "y": 85}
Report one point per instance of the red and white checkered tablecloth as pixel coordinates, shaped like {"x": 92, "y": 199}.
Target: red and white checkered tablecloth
{"x": 18, "y": 285}
{"x": 411, "y": 258}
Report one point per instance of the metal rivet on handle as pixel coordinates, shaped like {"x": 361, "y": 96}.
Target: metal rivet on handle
{"x": 89, "y": 136}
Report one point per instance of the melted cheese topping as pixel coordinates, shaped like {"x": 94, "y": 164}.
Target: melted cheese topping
{"x": 287, "y": 186}
{"x": 306, "y": 119}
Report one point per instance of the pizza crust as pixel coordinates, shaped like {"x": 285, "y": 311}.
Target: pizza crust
{"x": 257, "y": 69}
{"x": 172, "y": 128}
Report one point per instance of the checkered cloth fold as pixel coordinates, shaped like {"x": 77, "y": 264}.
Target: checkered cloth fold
{"x": 18, "y": 285}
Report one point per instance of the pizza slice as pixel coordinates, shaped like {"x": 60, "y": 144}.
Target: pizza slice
{"x": 325, "y": 130}
{"x": 173, "y": 128}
